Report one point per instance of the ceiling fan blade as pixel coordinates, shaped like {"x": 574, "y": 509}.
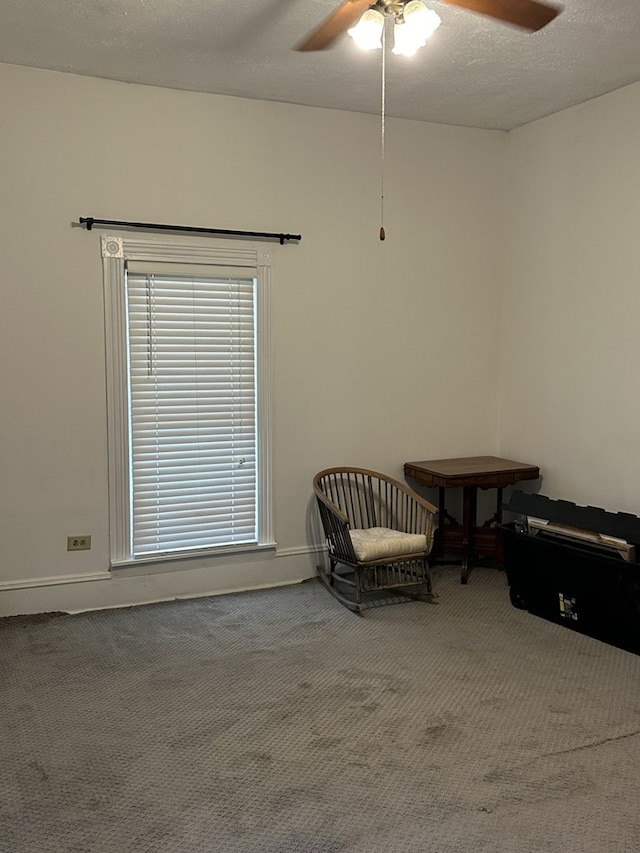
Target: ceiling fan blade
{"x": 528, "y": 14}
{"x": 337, "y": 23}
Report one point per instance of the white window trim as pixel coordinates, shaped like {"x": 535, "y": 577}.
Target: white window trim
{"x": 116, "y": 251}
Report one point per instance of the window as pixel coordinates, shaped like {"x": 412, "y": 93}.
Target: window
{"x": 187, "y": 340}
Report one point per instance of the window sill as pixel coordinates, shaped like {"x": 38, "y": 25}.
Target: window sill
{"x": 183, "y": 556}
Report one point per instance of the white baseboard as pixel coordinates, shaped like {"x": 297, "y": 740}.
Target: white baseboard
{"x": 121, "y": 588}
{"x": 30, "y": 583}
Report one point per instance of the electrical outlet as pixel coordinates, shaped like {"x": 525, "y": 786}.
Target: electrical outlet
{"x": 78, "y": 543}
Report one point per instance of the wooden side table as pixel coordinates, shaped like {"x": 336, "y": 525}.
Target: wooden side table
{"x": 469, "y": 473}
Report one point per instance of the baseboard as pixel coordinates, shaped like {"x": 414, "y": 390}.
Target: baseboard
{"x": 122, "y": 588}
{"x": 31, "y": 583}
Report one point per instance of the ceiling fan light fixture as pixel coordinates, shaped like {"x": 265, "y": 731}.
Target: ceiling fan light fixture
{"x": 423, "y": 21}
{"x": 367, "y": 33}
{"x": 413, "y": 27}
{"x": 405, "y": 42}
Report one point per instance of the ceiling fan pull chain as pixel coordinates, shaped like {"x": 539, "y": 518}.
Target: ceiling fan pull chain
{"x": 382, "y": 115}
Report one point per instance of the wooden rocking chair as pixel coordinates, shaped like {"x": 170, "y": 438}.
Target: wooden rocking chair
{"x": 379, "y": 535}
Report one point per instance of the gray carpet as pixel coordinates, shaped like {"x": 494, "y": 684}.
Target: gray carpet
{"x": 278, "y": 722}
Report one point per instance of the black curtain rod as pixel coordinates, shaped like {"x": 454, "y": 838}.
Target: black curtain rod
{"x": 89, "y": 221}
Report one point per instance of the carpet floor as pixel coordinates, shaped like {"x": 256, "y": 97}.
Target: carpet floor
{"x": 278, "y": 722}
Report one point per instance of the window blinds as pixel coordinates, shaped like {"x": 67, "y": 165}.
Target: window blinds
{"x": 192, "y": 352}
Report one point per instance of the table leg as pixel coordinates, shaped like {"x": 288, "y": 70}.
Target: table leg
{"x": 442, "y": 517}
{"x": 498, "y": 553}
{"x": 469, "y": 502}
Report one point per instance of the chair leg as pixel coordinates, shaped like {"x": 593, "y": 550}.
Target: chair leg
{"x": 328, "y": 581}
{"x": 390, "y": 578}
{"x": 332, "y": 566}
{"x": 426, "y": 566}
{"x": 357, "y": 577}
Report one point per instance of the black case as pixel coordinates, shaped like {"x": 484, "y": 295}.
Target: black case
{"x": 577, "y": 585}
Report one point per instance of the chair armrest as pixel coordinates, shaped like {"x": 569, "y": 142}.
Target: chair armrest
{"x": 336, "y": 529}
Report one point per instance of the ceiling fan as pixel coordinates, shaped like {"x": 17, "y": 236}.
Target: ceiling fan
{"x": 415, "y": 22}
{"x": 528, "y": 14}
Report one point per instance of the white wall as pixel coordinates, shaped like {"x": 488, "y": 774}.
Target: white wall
{"x": 570, "y": 344}
{"x": 383, "y": 352}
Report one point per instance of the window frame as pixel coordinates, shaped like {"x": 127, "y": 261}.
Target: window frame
{"x": 250, "y": 261}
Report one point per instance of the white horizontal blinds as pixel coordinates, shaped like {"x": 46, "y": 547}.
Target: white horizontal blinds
{"x": 192, "y": 350}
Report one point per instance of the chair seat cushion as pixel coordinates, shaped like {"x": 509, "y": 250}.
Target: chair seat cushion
{"x": 376, "y": 543}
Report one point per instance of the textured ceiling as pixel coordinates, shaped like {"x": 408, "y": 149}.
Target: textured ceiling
{"x": 474, "y": 72}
